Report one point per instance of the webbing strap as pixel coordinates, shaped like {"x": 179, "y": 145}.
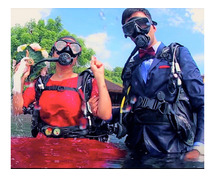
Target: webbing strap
{"x": 59, "y": 88}
{"x": 43, "y": 81}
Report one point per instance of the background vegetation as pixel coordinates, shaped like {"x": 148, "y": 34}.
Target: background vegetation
{"x": 46, "y": 34}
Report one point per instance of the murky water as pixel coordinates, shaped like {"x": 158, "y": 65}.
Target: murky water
{"x": 42, "y": 152}
{"x": 141, "y": 160}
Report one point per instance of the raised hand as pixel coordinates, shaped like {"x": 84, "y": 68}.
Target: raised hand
{"x": 97, "y": 68}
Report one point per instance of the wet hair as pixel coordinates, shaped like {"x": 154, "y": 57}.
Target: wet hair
{"x": 129, "y": 11}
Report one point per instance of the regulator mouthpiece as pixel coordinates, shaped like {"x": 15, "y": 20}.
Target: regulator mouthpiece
{"x": 65, "y": 59}
{"x": 142, "y": 41}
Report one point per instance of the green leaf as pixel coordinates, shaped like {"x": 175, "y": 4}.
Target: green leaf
{"x": 36, "y": 56}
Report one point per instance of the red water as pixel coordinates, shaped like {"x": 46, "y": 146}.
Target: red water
{"x": 42, "y": 152}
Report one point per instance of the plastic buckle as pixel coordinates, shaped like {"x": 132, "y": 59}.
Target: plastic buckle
{"x": 60, "y": 88}
{"x": 156, "y": 104}
{"x": 144, "y": 102}
{"x": 150, "y": 104}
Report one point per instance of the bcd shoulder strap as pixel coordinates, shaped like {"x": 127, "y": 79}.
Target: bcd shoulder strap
{"x": 171, "y": 53}
{"x": 41, "y": 84}
{"x": 85, "y": 83}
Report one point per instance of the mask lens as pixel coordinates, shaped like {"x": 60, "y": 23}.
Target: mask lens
{"x": 142, "y": 22}
{"x": 75, "y": 48}
{"x": 60, "y": 45}
{"x": 128, "y": 28}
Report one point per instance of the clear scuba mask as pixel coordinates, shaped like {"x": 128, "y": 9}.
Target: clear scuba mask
{"x": 67, "y": 51}
{"x": 67, "y": 46}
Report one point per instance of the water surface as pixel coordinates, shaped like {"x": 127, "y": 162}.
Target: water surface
{"x": 42, "y": 152}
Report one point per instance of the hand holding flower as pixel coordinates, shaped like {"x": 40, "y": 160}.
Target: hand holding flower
{"x": 27, "y": 55}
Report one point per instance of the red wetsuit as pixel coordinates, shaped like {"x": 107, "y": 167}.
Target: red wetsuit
{"x": 60, "y": 108}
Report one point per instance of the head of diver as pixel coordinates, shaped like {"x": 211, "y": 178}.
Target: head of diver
{"x": 140, "y": 28}
{"x": 66, "y": 49}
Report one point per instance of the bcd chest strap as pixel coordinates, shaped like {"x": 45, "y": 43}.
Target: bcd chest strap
{"x": 84, "y": 82}
{"x": 152, "y": 104}
{"x": 40, "y": 86}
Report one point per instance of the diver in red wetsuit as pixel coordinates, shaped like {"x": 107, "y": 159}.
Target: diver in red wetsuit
{"x": 63, "y": 108}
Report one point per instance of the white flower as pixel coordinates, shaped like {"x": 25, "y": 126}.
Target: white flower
{"x": 44, "y": 53}
{"x": 21, "y": 47}
{"x": 35, "y": 46}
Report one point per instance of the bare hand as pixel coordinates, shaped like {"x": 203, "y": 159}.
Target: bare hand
{"x": 97, "y": 68}
{"x": 192, "y": 155}
{"x": 22, "y": 69}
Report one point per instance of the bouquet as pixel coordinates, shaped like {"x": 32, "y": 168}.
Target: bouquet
{"x": 35, "y": 53}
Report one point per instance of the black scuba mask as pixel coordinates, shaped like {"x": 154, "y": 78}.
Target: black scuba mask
{"x": 138, "y": 28}
{"x": 141, "y": 38}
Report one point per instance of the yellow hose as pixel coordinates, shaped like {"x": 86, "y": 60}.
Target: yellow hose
{"x": 123, "y": 100}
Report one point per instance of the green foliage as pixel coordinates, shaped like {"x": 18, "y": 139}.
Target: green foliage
{"x": 115, "y": 75}
{"x": 79, "y": 69}
{"x": 46, "y": 34}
